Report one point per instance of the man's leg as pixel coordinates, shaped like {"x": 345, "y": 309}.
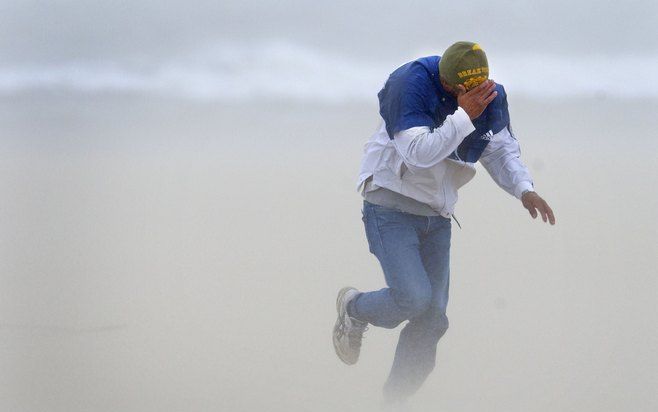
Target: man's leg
{"x": 393, "y": 237}
{"x": 415, "y": 355}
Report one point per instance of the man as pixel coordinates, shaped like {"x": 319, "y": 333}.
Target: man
{"x": 440, "y": 115}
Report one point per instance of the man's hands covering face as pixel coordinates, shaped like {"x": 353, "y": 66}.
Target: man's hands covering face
{"x": 477, "y": 99}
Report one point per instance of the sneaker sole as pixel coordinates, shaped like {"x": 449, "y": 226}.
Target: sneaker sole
{"x": 342, "y": 356}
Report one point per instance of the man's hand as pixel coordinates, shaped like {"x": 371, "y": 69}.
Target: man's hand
{"x": 533, "y": 202}
{"x": 477, "y": 99}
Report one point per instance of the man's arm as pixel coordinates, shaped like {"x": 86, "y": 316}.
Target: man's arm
{"x": 501, "y": 158}
{"x": 421, "y": 149}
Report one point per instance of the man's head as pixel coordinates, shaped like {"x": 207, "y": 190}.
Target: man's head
{"x": 463, "y": 63}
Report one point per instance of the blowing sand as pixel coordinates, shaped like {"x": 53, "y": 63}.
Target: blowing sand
{"x": 157, "y": 255}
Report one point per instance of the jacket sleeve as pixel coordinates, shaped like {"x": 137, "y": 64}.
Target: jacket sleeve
{"x": 501, "y": 158}
{"x": 421, "y": 149}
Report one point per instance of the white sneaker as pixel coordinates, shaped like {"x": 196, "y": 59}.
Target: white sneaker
{"x": 348, "y": 331}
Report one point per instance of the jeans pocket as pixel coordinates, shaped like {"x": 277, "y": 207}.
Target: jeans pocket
{"x": 386, "y": 216}
{"x": 366, "y": 221}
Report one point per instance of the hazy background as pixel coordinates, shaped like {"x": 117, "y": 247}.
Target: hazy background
{"x": 179, "y": 208}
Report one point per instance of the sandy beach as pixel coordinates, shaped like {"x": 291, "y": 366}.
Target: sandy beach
{"x": 165, "y": 255}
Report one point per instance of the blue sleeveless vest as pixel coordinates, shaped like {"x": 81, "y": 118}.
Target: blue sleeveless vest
{"x": 413, "y": 96}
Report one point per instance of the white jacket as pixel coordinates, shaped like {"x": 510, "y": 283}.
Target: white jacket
{"x": 415, "y": 162}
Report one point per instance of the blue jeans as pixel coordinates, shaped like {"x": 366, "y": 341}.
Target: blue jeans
{"x": 414, "y": 253}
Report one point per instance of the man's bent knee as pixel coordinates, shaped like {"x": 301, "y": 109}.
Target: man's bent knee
{"x": 441, "y": 324}
{"x": 433, "y": 321}
{"x": 437, "y": 324}
{"x": 413, "y": 303}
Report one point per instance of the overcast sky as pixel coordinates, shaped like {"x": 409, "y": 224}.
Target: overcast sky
{"x": 33, "y": 32}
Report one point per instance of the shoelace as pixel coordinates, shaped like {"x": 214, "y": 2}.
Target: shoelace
{"x": 357, "y": 336}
